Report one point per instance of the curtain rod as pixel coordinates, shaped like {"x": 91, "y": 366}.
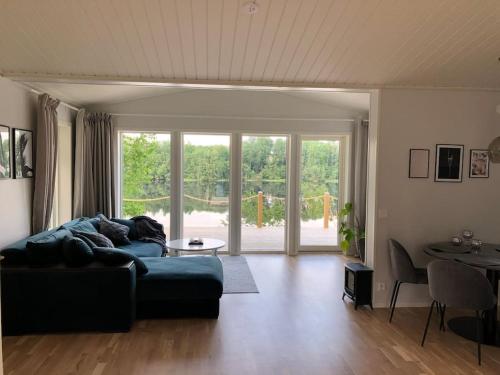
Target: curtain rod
{"x": 220, "y": 117}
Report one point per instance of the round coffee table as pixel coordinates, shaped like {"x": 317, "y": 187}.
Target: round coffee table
{"x": 209, "y": 244}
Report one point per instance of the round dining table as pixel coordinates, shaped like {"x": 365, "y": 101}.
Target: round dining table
{"x": 486, "y": 258}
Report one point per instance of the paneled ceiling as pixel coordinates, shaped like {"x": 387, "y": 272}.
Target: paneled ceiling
{"x": 334, "y": 43}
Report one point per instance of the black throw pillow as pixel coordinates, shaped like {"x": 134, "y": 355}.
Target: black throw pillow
{"x": 116, "y": 232}
{"x": 115, "y": 257}
{"x": 85, "y": 239}
{"x": 99, "y": 239}
{"x": 47, "y": 250}
{"x": 76, "y": 252}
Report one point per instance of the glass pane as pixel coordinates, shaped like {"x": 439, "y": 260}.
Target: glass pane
{"x": 206, "y": 186}
{"x": 319, "y": 189}
{"x": 146, "y": 176}
{"x": 263, "y": 193}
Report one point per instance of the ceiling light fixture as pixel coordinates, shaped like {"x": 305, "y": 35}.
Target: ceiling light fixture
{"x": 251, "y": 7}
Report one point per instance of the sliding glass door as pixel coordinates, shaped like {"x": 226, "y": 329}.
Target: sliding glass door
{"x": 206, "y": 175}
{"x": 320, "y": 167}
{"x": 191, "y": 174}
{"x": 145, "y": 176}
{"x": 264, "y": 193}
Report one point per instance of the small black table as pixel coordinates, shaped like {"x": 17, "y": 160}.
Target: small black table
{"x": 488, "y": 258}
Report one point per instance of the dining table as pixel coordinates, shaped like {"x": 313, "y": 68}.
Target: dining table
{"x": 487, "y": 258}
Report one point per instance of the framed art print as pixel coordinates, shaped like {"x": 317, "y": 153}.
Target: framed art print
{"x": 4, "y": 152}
{"x": 23, "y": 153}
{"x": 479, "y": 166}
{"x": 449, "y": 163}
{"x": 419, "y": 163}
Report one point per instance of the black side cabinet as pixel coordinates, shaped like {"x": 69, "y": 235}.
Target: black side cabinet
{"x": 358, "y": 284}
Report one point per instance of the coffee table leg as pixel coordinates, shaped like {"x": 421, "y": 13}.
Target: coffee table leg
{"x": 214, "y": 252}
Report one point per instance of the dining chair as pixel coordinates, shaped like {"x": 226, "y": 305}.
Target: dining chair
{"x": 403, "y": 271}
{"x": 458, "y": 285}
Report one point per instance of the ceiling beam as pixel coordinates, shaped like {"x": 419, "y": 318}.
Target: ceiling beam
{"x": 228, "y": 85}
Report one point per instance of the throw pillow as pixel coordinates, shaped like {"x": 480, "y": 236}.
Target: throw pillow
{"x": 85, "y": 239}
{"x": 97, "y": 238}
{"x": 114, "y": 231}
{"x": 115, "y": 257}
{"x": 76, "y": 252}
{"x": 83, "y": 225}
{"x": 47, "y": 250}
{"x": 132, "y": 234}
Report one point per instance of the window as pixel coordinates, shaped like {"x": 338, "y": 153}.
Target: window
{"x": 320, "y": 169}
{"x": 264, "y": 193}
{"x": 206, "y": 186}
{"x": 196, "y": 177}
{"x": 145, "y": 176}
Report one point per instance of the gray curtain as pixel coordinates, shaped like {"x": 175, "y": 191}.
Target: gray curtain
{"x": 45, "y": 162}
{"x": 94, "y": 190}
{"x": 359, "y": 179}
{"x": 360, "y": 170}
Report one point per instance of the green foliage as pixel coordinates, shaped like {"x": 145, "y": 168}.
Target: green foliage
{"x": 146, "y": 174}
{"x": 349, "y": 232}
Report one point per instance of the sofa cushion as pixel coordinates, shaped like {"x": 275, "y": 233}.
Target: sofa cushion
{"x": 115, "y": 257}
{"x": 16, "y": 253}
{"x": 143, "y": 249}
{"x": 99, "y": 239}
{"x": 48, "y": 249}
{"x": 90, "y": 243}
{"x": 190, "y": 277}
{"x": 116, "y": 232}
{"x": 76, "y": 252}
{"x": 82, "y": 225}
{"x": 132, "y": 234}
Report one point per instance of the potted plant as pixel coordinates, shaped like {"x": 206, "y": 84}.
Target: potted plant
{"x": 351, "y": 232}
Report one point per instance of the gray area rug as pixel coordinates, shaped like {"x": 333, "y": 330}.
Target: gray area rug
{"x": 237, "y": 275}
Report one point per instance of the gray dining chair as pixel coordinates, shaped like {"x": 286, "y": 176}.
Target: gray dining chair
{"x": 403, "y": 271}
{"x": 454, "y": 284}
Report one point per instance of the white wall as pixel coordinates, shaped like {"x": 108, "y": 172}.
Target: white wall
{"x": 420, "y": 211}
{"x": 17, "y": 110}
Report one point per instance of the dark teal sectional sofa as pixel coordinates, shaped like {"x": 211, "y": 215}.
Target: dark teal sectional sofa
{"x": 98, "y": 297}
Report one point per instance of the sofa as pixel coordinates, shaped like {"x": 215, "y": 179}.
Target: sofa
{"x": 56, "y": 297}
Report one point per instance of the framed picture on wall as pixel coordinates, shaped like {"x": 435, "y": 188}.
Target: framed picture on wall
{"x": 419, "y": 163}
{"x": 449, "y": 163}
{"x": 479, "y": 166}
{"x": 23, "y": 153}
{"x": 4, "y": 152}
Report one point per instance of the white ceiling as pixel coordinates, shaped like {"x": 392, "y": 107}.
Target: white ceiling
{"x": 184, "y": 101}
{"x": 343, "y": 43}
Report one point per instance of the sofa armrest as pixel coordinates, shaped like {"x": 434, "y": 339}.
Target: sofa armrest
{"x": 60, "y": 298}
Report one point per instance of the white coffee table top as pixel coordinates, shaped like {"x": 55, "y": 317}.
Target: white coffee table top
{"x": 183, "y": 245}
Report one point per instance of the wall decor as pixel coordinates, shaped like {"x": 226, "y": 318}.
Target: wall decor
{"x": 479, "y": 166}
{"x": 449, "y": 163}
{"x": 4, "y": 152}
{"x": 23, "y": 153}
{"x": 419, "y": 163}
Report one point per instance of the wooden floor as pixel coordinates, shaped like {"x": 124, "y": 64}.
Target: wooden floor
{"x": 296, "y": 325}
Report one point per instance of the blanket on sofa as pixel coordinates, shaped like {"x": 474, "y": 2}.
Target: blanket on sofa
{"x": 149, "y": 230}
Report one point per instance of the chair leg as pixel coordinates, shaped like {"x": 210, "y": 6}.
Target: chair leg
{"x": 442, "y": 325}
{"x": 392, "y": 295}
{"x": 395, "y": 300}
{"x": 428, "y": 321}
{"x": 479, "y": 335}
